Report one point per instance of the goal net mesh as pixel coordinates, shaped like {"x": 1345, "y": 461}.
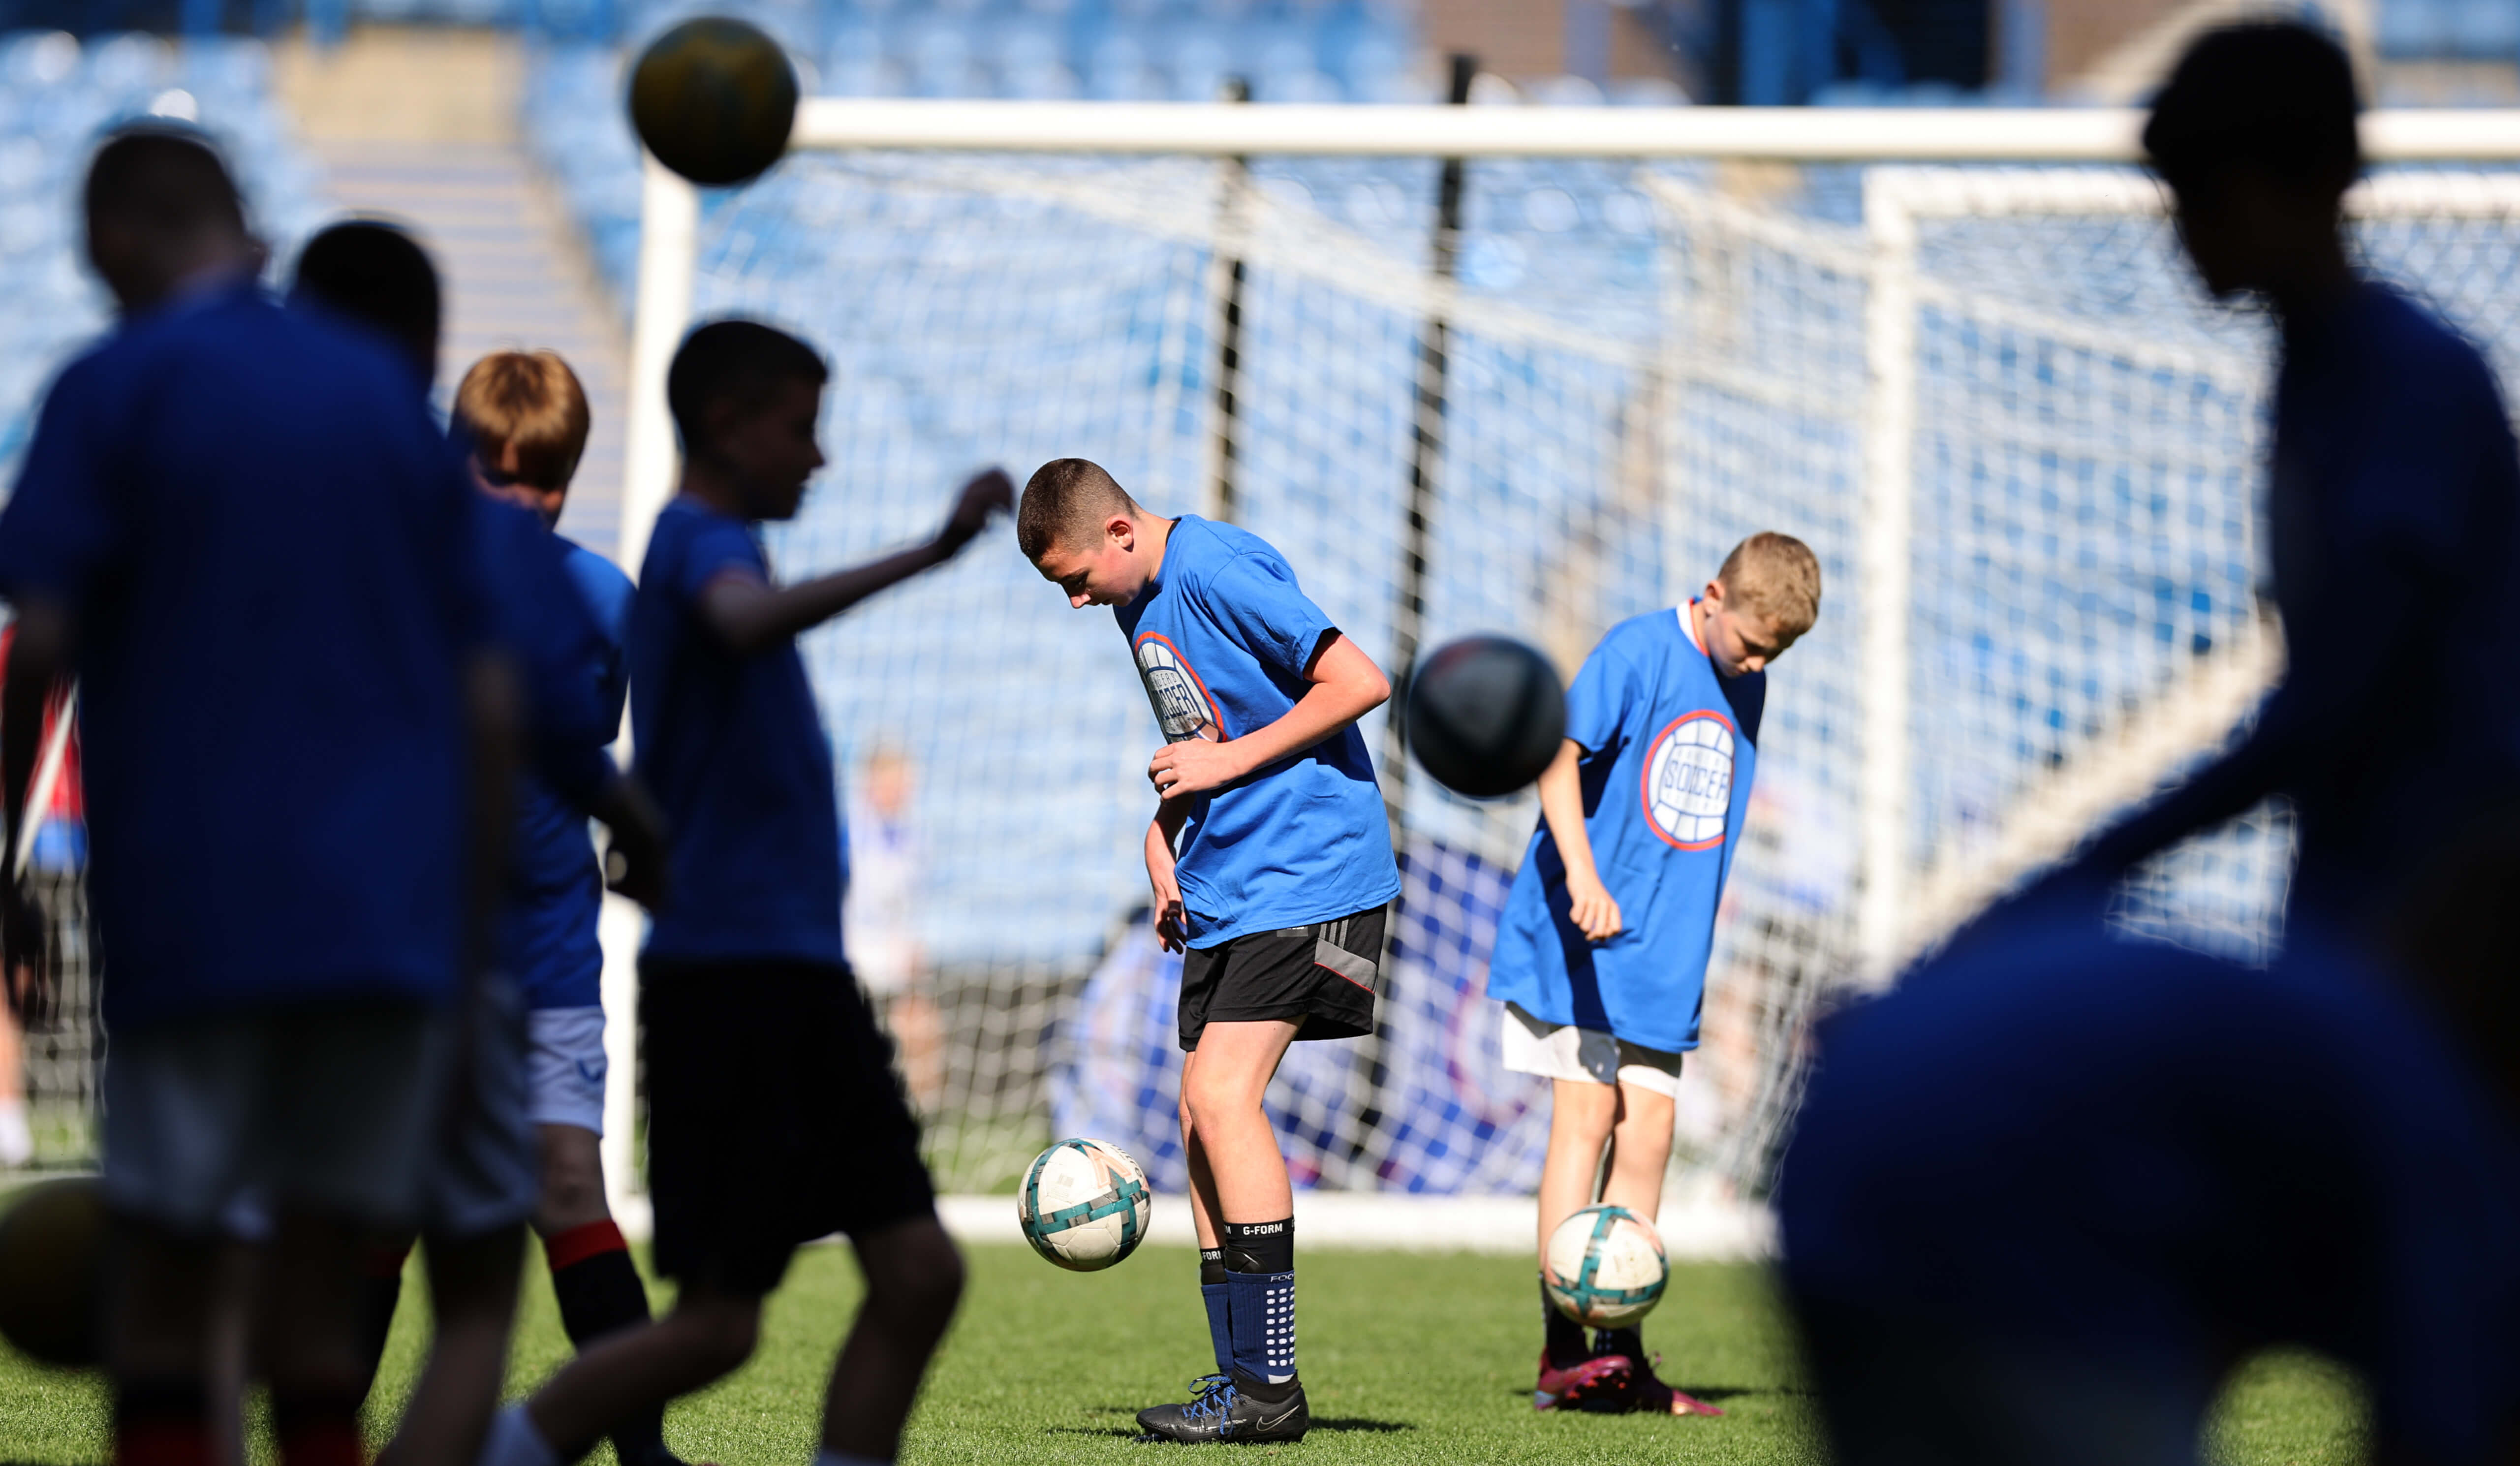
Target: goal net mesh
{"x": 1641, "y": 366}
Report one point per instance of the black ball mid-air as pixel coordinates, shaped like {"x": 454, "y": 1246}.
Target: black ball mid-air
{"x": 52, "y": 1262}
{"x": 1485, "y": 715}
{"x": 714, "y": 99}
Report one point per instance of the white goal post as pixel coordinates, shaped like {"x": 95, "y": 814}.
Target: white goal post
{"x": 1919, "y": 169}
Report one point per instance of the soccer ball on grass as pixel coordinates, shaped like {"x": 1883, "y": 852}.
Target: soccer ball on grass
{"x": 1605, "y": 1267}
{"x": 1083, "y": 1205}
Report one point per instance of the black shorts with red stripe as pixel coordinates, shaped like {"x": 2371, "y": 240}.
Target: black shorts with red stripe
{"x": 1321, "y": 975}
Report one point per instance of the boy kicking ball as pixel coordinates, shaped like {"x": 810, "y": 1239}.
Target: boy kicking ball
{"x": 1271, "y": 860}
{"x": 1601, "y": 958}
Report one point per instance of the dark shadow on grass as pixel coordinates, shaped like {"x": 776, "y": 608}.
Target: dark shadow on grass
{"x": 1337, "y": 1423}
{"x": 1711, "y": 1394}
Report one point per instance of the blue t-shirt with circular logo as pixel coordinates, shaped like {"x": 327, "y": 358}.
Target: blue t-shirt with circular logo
{"x": 1222, "y": 638}
{"x": 1670, "y": 745}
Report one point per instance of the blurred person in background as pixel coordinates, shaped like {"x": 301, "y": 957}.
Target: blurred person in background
{"x": 483, "y": 1166}
{"x": 887, "y": 870}
{"x": 60, "y": 840}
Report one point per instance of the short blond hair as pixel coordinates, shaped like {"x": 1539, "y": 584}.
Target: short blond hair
{"x": 530, "y": 401}
{"x": 1777, "y": 578}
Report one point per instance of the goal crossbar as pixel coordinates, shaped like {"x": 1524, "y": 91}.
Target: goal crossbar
{"x": 2088, "y": 135}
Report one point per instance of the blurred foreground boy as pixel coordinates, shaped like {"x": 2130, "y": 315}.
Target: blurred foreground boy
{"x": 237, "y": 526}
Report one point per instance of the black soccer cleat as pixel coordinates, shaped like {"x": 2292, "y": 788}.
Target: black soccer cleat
{"x": 1221, "y": 1411}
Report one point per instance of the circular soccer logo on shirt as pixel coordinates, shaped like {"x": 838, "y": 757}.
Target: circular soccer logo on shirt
{"x": 1181, "y": 703}
{"x": 1688, "y": 781}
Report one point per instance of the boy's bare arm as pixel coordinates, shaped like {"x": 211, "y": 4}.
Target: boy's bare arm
{"x": 1562, "y": 803}
{"x": 748, "y": 613}
{"x": 1161, "y": 832}
{"x": 1346, "y": 685}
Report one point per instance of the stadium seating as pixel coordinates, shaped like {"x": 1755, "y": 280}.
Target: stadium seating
{"x": 57, "y": 96}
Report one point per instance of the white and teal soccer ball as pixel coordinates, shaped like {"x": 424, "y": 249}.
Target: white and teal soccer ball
{"x": 1605, "y": 1267}
{"x": 1083, "y": 1205}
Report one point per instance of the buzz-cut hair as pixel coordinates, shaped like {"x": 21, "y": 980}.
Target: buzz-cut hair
{"x": 530, "y": 401}
{"x": 1065, "y": 507}
{"x": 743, "y": 362}
{"x": 2277, "y": 95}
{"x": 1777, "y": 578}
{"x": 163, "y": 178}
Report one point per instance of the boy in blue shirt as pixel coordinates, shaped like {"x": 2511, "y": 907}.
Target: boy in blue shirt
{"x": 773, "y": 1113}
{"x": 485, "y": 1170}
{"x": 1270, "y": 856}
{"x": 524, "y": 420}
{"x": 238, "y": 525}
{"x": 1601, "y": 955}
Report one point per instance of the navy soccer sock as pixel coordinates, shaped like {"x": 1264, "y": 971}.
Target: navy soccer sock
{"x": 1219, "y": 1301}
{"x": 1260, "y": 1278}
{"x": 598, "y": 1289}
{"x": 1564, "y": 1339}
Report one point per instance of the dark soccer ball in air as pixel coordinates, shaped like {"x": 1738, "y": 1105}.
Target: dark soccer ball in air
{"x": 52, "y": 1264}
{"x": 1485, "y": 715}
{"x": 714, "y": 99}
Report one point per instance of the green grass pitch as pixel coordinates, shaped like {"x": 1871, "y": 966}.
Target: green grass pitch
{"x": 1407, "y": 1357}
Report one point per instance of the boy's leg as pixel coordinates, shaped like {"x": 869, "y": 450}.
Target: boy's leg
{"x": 1255, "y": 1204}
{"x": 1213, "y": 1294}
{"x": 309, "y": 1340}
{"x": 1640, "y": 1155}
{"x": 707, "y": 1336}
{"x": 593, "y": 1277}
{"x": 472, "y": 1294}
{"x": 1582, "y": 1115}
{"x": 157, "y": 1347}
{"x": 914, "y": 1279}
{"x": 1640, "y": 1149}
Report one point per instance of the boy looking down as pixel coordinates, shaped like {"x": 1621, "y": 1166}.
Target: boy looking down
{"x": 1600, "y": 956}
{"x": 1270, "y": 856}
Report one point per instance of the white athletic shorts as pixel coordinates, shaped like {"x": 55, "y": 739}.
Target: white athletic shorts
{"x": 1561, "y": 1050}
{"x": 211, "y": 1120}
{"x": 469, "y": 1162}
{"x": 567, "y": 1065}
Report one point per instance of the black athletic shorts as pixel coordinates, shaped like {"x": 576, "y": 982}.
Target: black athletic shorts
{"x": 1321, "y": 974}
{"x": 774, "y": 1118}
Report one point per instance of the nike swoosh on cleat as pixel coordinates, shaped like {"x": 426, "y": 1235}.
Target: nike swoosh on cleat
{"x": 1271, "y": 1425}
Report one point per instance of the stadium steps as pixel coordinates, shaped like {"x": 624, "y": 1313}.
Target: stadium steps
{"x": 419, "y": 124}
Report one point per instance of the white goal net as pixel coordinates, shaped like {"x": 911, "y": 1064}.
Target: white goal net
{"x": 2024, "y": 445}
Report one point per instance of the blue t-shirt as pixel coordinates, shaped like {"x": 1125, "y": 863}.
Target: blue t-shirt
{"x": 547, "y": 929}
{"x": 2049, "y": 1142}
{"x": 1670, "y": 746}
{"x": 269, "y": 549}
{"x": 1221, "y": 637}
{"x": 734, "y": 750}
